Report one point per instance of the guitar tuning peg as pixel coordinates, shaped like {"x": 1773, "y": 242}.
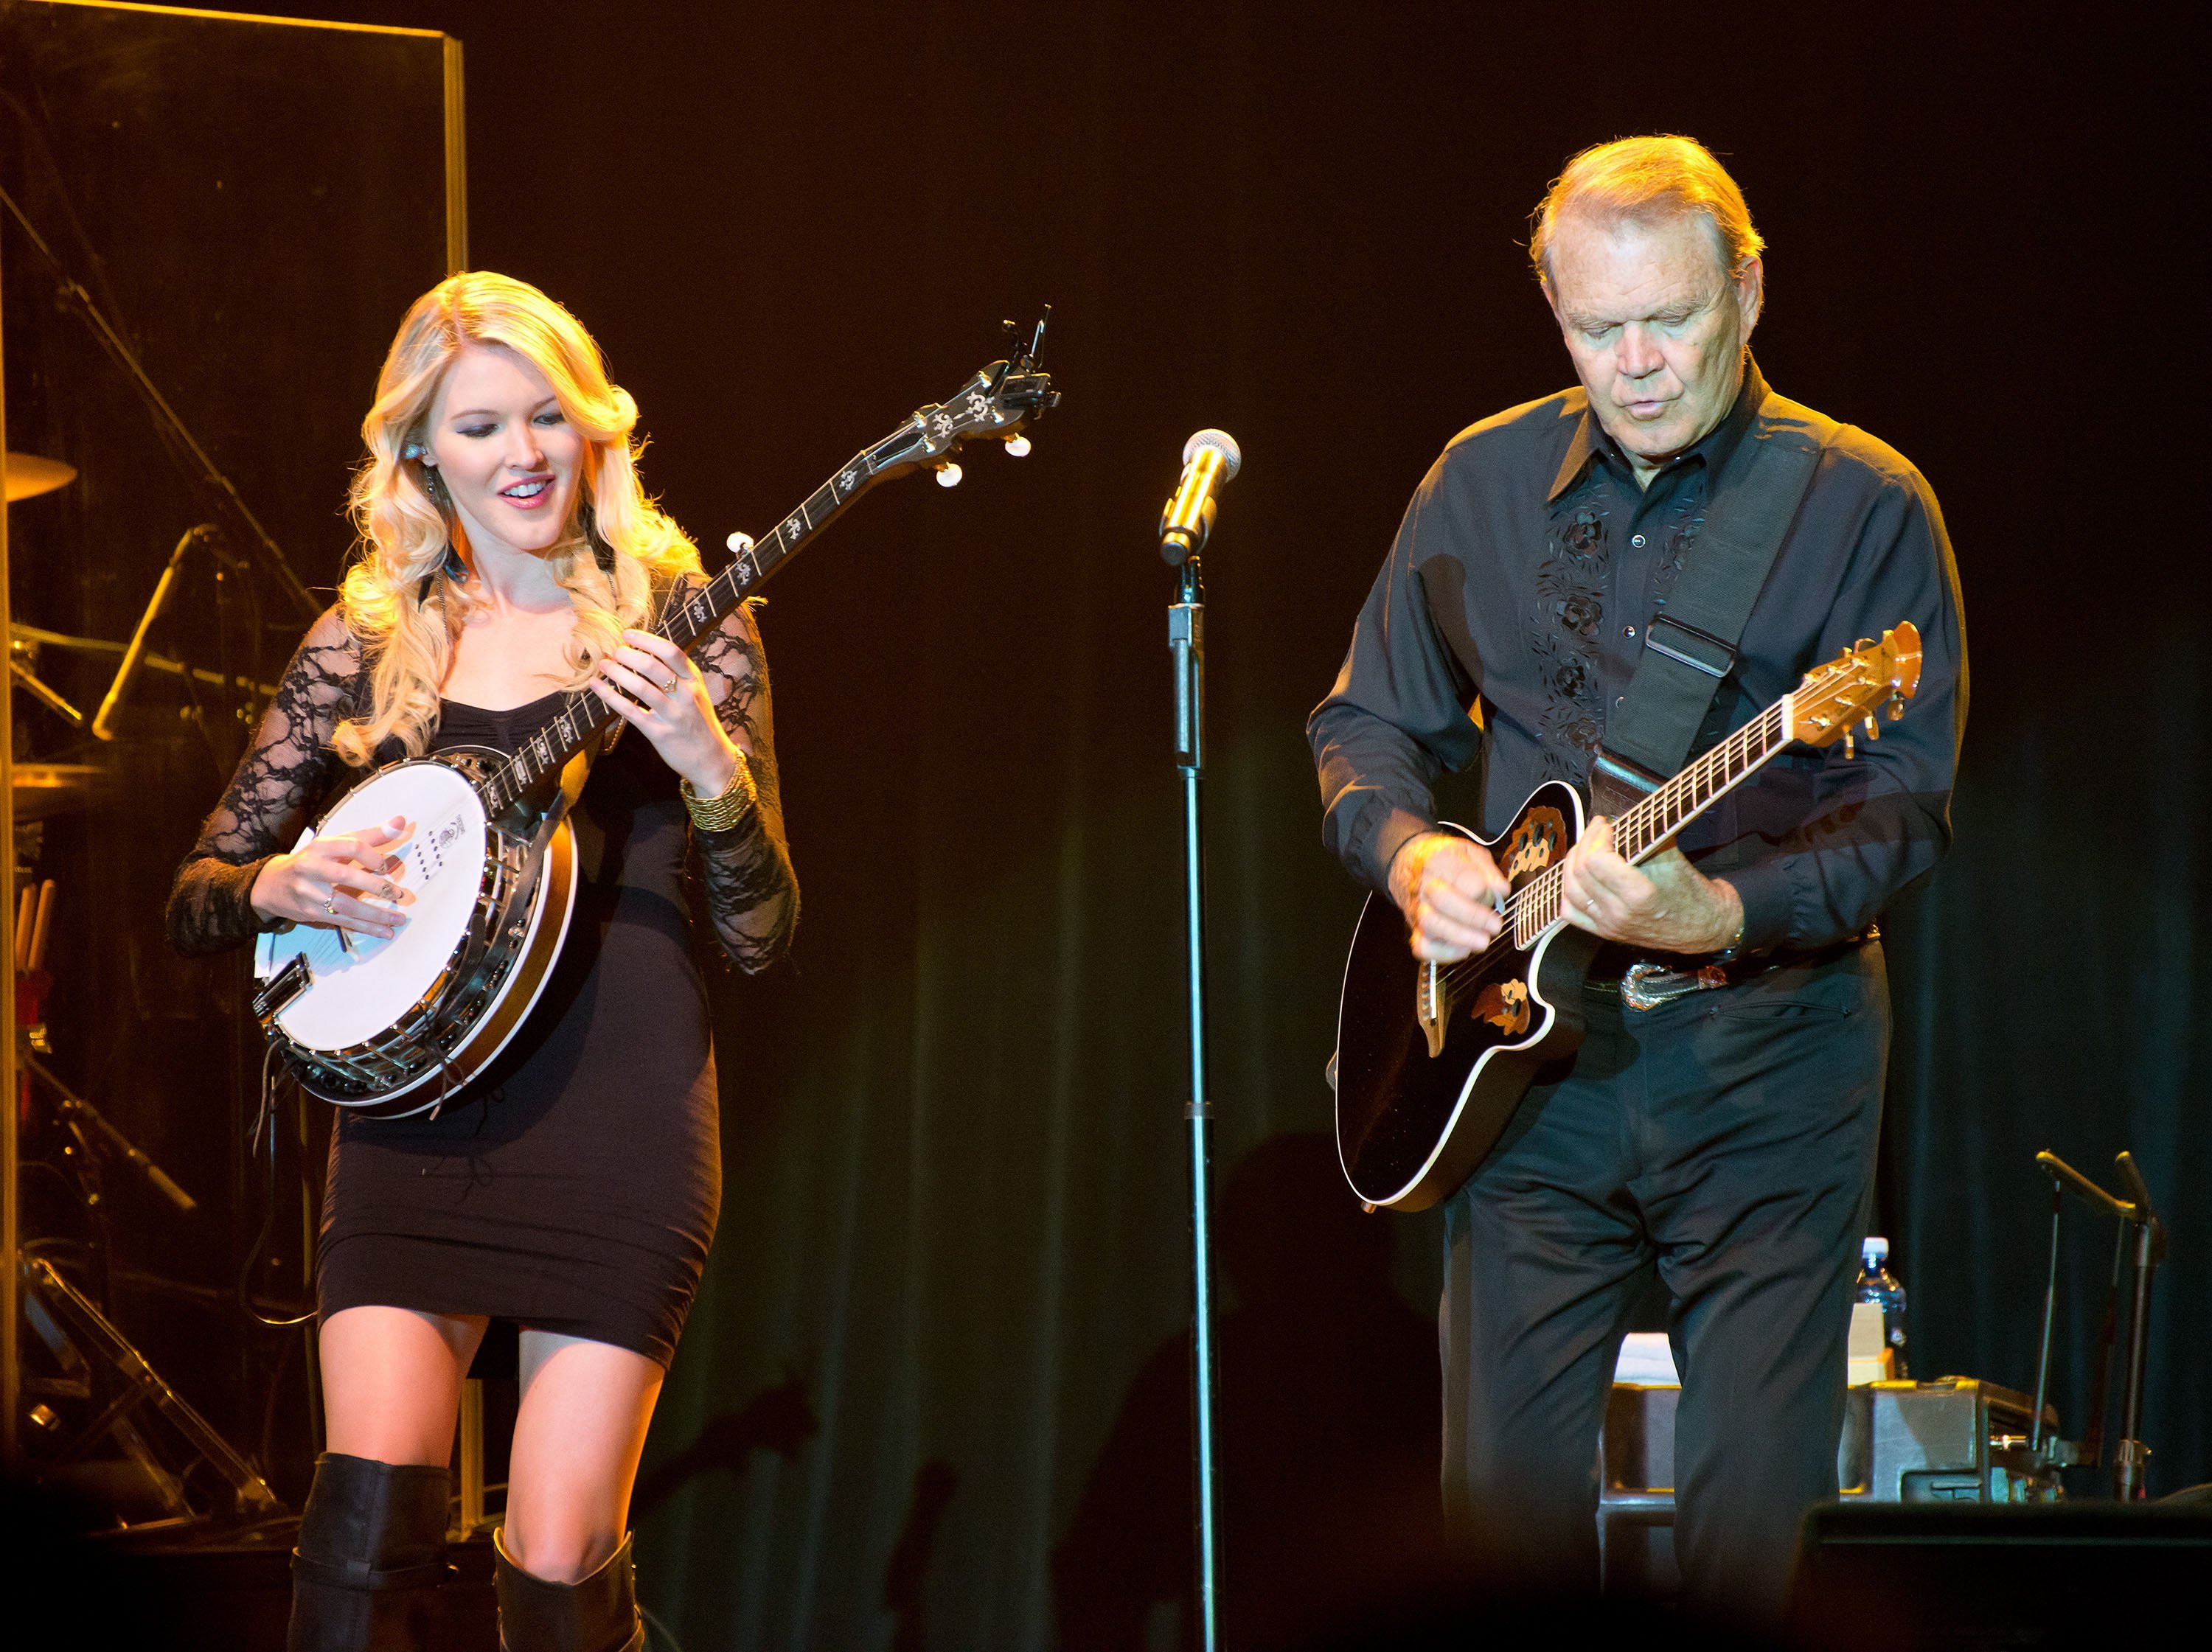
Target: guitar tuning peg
{"x": 948, "y": 474}
{"x": 1850, "y": 751}
{"x": 1872, "y": 728}
{"x": 1018, "y": 445}
{"x": 1896, "y": 707}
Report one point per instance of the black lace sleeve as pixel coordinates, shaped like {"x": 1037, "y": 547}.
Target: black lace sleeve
{"x": 752, "y": 893}
{"x": 289, "y": 766}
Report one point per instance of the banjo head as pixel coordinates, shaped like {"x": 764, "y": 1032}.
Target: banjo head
{"x": 361, "y": 985}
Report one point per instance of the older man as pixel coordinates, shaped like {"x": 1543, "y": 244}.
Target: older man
{"x": 1721, "y": 1133}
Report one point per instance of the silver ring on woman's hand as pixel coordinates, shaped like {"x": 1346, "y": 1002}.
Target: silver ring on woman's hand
{"x": 669, "y": 687}
{"x": 330, "y": 905}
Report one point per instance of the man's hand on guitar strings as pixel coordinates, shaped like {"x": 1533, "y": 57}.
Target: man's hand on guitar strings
{"x": 1451, "y": 893}
{"x": 1665, "y": 904}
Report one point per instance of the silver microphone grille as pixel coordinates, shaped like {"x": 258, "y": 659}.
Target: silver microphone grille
{"x": 1221, "y": 442}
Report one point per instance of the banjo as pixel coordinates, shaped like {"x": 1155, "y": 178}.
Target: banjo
{"x": 394, "y": 1028}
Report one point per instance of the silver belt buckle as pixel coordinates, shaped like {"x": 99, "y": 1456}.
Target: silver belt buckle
{"x": 1646, "y": 986}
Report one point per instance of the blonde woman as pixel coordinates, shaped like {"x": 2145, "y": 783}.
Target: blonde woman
{"x": 509, "y": 559}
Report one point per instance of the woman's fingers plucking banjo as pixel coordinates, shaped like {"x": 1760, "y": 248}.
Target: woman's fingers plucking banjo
{"x": 345, "y": 882}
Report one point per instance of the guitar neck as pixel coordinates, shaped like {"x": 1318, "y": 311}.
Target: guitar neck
{"x": 1643, "y": 830}
{"x": 547, "y": 751}
{"x": 1652, "y": 824}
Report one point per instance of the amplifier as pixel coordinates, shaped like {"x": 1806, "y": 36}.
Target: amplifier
{"x": 1953, "y": 1440}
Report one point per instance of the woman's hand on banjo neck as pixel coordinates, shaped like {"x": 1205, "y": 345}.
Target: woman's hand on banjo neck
{"x": 662, "y": 693}
{"x": 329, "y": 882}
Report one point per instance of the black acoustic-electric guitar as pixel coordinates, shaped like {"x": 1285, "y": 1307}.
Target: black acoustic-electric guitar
{"x": 1431, "y": 1060}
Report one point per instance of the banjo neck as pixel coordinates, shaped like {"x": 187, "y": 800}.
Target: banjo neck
{"x": 540, "y": 759}
{"x": 998, "y": 401}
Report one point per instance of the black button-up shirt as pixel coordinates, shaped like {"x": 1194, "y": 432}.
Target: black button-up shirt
{"x": 1509, "y": 620}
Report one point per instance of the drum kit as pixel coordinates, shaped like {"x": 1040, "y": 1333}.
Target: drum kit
{"x": 104, "y": 1421}
{"x": 43, "y": 790}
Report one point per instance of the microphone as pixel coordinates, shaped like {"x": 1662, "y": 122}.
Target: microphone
{"x": 1209, "y": 459}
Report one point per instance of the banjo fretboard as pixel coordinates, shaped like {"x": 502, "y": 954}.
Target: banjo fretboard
{"x": 546, "y": 753}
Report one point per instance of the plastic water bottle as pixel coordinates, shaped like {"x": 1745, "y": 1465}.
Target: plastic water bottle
{"x": 1878, "y": 1286}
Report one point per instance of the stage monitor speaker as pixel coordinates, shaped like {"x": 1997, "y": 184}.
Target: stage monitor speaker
{"x": 1917, "y": 1578}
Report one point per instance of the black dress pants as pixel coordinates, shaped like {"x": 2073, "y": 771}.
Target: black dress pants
{"x": 1727, "y": 1140}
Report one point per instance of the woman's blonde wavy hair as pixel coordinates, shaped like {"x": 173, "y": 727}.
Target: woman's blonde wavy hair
{"x": 399, "y": 599}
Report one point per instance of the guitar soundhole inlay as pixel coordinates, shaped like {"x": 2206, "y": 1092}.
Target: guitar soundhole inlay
{"x": 1504, "y": 1005}
{"x": 1534, "y": 842}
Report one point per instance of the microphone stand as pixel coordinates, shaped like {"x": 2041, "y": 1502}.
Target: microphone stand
{"x": 2131, "y": 1457}
{"x": 1186, "y": 649}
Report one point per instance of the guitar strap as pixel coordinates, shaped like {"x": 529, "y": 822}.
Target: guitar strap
{"x": 1690, "y": 644}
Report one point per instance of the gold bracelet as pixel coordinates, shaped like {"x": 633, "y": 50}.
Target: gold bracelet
{"x": 730, "y": 808}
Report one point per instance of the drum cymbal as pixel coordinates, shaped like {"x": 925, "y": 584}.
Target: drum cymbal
{"x": 29, "y": 476}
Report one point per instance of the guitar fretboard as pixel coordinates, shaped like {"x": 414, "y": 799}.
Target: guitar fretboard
{"x": 1642, "y": 829}
{"x": 545, "y": 754}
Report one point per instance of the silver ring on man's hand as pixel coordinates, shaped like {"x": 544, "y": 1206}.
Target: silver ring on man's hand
{"x": 1590, "y": 907}
{"x": 330, "y": 905}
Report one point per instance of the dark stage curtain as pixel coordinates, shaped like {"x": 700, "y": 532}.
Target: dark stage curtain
{"x": 934, "y": 1376}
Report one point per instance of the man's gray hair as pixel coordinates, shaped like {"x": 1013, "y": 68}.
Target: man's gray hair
{"x": 1648, "y": 180}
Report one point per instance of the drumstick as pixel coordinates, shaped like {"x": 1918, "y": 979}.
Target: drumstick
{"x": 43, "y": 927}
{"x": 25, "y": 910}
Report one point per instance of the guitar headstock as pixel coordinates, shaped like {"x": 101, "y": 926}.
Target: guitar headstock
{"x": 1837, "y": 699}
{"x": 999, "y": 401}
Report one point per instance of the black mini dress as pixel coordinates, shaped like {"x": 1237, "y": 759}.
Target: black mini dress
{"x": 573, "y": 1186}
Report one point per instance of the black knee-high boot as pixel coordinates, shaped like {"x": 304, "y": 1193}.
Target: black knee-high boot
{"x": 371, "y": 1547}
{"x": 598, "y": 1614}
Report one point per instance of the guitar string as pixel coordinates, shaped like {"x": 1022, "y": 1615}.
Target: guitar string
{"x": 1654, "y": 818}
{"x": 1650, "y": 821}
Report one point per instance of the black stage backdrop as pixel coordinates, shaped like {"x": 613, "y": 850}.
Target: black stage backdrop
{"x": 938, "y": 1344}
